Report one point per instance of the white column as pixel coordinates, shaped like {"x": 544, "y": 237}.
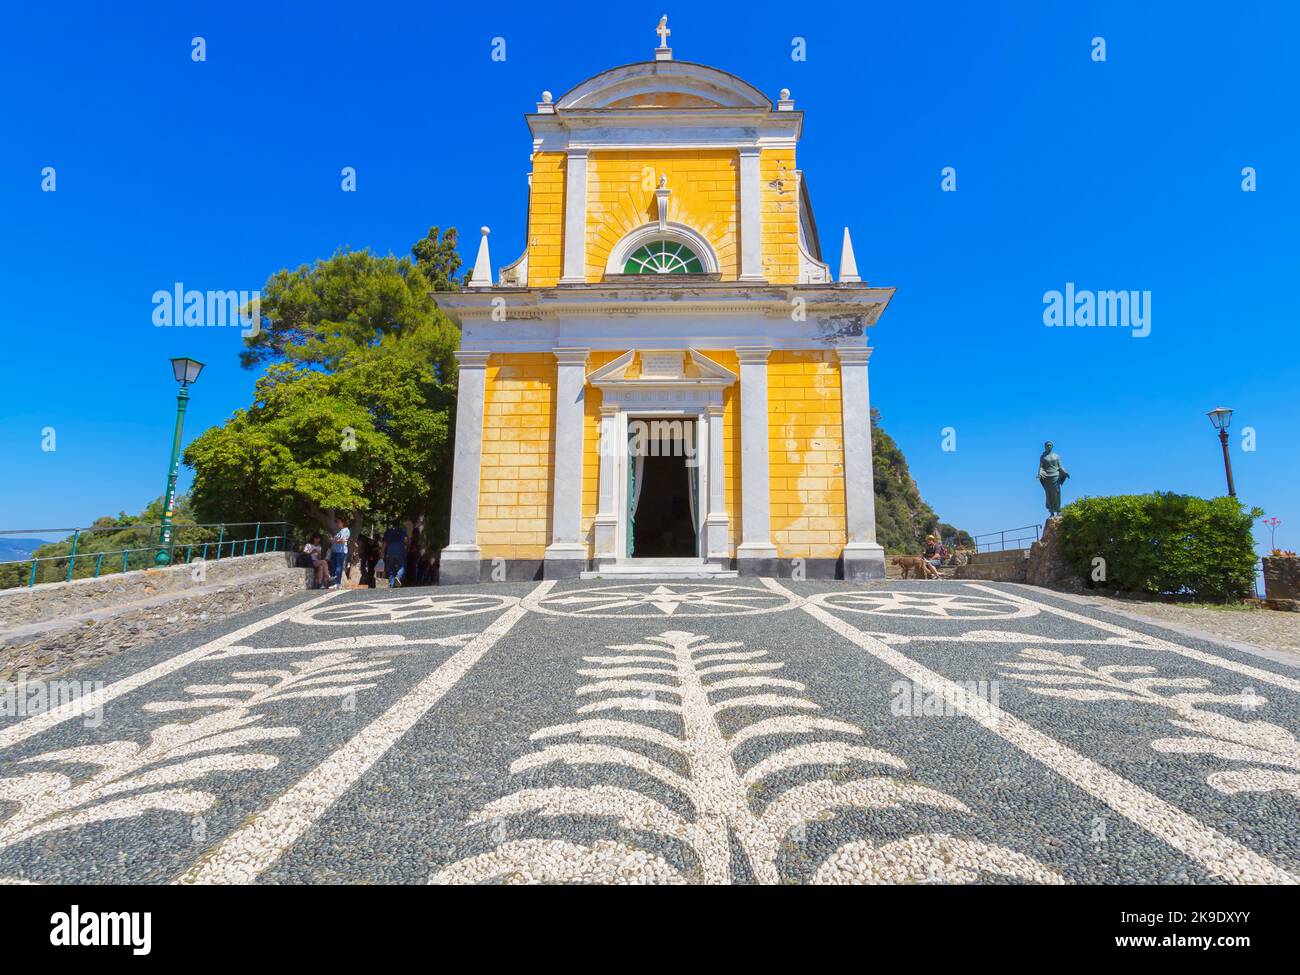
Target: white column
{"x": 566, "y": 556}
{"x": 606, "y": 525}
{"x": 756, "y": 554}
{"x": 460, "y": 559}
{"x": 716, "y": 522}
{"x": 751, "y": 215}
{"x": 575, "y": 218}
{"x": 863, "y": 557}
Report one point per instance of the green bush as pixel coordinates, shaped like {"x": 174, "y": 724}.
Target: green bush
{"x": 1164, "y": 543}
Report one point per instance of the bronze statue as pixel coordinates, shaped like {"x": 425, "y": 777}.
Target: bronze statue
{"x": 1051, "y": 475}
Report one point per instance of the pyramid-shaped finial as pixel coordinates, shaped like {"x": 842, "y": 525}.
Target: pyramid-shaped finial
{"x": 482, "y": 276}
{"x": 848, "y": 263}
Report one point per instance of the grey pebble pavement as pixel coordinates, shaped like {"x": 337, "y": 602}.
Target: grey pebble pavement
{"x": 750, "y": 731}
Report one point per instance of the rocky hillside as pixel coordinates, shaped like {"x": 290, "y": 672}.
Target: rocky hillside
{"x": 903, "y": 519}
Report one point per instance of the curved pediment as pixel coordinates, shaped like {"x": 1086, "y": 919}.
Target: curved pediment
{"x": 663, "y": 84}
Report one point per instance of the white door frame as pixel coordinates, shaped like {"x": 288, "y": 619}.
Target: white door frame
{"x": 657, "y": 392}
{"x": 624, "y": 459}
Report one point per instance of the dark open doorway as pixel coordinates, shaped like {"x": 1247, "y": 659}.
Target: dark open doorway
{"x": 663, "y": 526}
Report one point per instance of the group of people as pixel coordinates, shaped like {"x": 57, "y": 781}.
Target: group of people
{"x": 938, "y": 554}
{"x": 387, "y": 559}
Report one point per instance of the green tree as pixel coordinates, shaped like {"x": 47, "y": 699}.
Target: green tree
{"x": 320, "y": 314}
{"x": 1163, "y": 543}
{"x": 436, "y": 257}
{"x": 354, "y": 412}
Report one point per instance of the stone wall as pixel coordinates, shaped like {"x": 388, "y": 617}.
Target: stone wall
{"x": 1282, "y": 583}
{"x": 1047, "y": 567}
{"x": 49, "y": 628}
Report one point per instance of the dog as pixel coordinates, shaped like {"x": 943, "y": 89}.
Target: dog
{"x": 915, "y": 563}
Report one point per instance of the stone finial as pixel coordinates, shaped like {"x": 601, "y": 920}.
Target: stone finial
{"x": 482, "y": 276}
{"x": 785, "y": 103}
{"x": 545, "y": 106}
{"x": 662, "y": 195}
{"x": 848, "y": 263}
{"x": 663, "y": 52}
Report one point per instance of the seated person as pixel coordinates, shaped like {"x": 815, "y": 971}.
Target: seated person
{"x": 935, "y": 553}
{"x": 320, "y": 567}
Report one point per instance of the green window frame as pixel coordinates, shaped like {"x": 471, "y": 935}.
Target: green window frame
{"x": 663, "y": 257}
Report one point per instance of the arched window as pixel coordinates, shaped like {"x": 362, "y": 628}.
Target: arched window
{"x": 663, "y": 257}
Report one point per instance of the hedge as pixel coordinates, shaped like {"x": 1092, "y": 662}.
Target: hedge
{"x": 1163, "y": 543}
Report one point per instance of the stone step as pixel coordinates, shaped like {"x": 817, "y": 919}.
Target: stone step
{"x": 660, "y": 569}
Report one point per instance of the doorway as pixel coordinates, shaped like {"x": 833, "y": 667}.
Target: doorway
{"x": 663, "y": 494}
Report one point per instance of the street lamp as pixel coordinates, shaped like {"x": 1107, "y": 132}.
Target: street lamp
{"x": 1221, "y": 417}
{"x": 186, "y": 371}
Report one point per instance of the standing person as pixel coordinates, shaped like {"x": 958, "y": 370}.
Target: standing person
{"x": 339, "y": 551}
{"x": 320, "y": 568}
{"x": 395, "y": 555}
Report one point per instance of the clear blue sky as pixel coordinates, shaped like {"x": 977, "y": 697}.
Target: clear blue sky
{"x": 1119, "y": 175}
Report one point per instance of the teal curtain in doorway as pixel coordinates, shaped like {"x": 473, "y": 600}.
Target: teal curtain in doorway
{"x": 693, "y": 493}
{"x": 631, "y": 496}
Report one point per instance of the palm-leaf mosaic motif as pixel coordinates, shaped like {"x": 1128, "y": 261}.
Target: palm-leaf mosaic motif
{"x": 133, "y": 779}
{"x": 1270, "y": 753}
{"x": 696, "y": 680}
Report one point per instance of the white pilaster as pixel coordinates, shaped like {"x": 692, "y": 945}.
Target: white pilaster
{"x": 606, "y": 525}
{"x": 751, "y": 215}
{"x": 756, "y": 554}
{"x": 566, "y": 556}
{"x": 575, "y": 218}
{"x": 863, "y": 557}
{"x": 716, "y": 522}
{"x": 460, "y": 559}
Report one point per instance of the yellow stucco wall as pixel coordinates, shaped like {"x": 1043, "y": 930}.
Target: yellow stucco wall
{"x": 546, "y": 220}
{"x": 780, "y": 204}
{"x": 706, "y": 195}
{"x": 515, "y": 482}
{"x": 620, "y": 198}
{"x": 806, "y": 452}
{"x": 805, "y": 441}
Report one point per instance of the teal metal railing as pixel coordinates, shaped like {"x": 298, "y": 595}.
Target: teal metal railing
{"x": 105, "y": 550}
{"x": 1013, "y": 537}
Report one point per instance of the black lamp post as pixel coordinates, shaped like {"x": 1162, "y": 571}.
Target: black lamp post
{"x": 1221, "y": 417}
{"x": 186, "y": 371}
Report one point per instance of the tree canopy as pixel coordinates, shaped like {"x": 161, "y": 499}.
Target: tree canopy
{"x": 353, "y": 413}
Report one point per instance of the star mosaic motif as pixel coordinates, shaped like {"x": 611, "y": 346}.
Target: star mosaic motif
{"x": 410, "y": 608}
{"x": 665, "y": 600}
{"x": 924, "y": 605}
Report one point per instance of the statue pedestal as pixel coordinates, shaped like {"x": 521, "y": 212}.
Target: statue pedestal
{"x": 1047, "y": 566}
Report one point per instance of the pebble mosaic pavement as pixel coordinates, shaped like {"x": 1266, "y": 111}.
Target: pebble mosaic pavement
{"x": 750, "y": 731}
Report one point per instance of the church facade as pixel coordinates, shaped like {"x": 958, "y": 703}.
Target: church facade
{"x": 667, "y": 381}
